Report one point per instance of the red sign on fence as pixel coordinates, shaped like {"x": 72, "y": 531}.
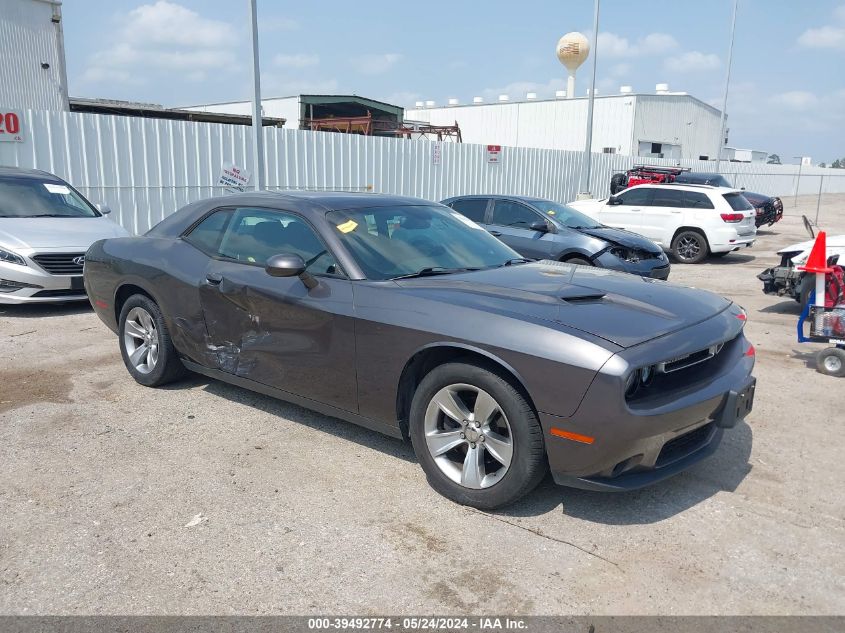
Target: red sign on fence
{"x": 493, "y": 153}
{"x": 10, "y": 127}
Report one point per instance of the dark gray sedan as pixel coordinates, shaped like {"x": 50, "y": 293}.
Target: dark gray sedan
{"x": 403, "y": 316}
{"x": 542, "y": 229}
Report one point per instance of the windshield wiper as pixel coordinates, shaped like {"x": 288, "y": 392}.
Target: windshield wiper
{"x": 47, "y": 215}
{"x": 432, "y": 271}
{"x": 515, "y": 260}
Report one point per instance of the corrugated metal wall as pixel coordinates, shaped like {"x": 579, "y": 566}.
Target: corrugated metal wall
{"x": 29, "y": 38}
{"x": 147, "y": 168}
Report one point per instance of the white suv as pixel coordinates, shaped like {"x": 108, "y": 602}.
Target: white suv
{"x": 690, "y": 221}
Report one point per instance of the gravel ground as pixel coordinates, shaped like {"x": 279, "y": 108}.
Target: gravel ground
{"x": 202, "y": 498}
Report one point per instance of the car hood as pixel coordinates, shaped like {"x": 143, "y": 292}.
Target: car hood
{"x": 622, "y": 238}
{"x": 835, "y": 245}
{"x": 622, "y": 309}
{"x": 756, "y": 199}
{"x": 56, "y": 232}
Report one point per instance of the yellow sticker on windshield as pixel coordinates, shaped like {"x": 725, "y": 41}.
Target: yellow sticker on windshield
{"x": 550, "y": 212}
{"x": 346, "y": 227}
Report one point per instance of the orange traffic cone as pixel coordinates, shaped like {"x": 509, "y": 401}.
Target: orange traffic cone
{"x": 817, "y": 261}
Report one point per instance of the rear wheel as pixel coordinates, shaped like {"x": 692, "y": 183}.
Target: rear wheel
{"x": 831, "y": 362}
{"x": 476, "y": 437}
{"x": 145, "y": 344}
{"x": 690, "y": 247}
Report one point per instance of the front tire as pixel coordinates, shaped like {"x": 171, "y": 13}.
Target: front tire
{"x": 145, "y": 344}
{"x": 578, "y": 261}
{"x": 690, "y": 247}
{"x": 477, "y": 438}
{"x": 831, "y": 362}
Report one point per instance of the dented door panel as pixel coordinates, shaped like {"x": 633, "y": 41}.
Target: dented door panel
{"x": 277, "y": 332}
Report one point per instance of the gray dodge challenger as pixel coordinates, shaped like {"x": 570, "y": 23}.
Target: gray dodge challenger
{"x": 406, "y": 317}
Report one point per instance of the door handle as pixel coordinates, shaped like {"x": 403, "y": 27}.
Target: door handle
{"x": 213, "y": 279}
{"x": 495, "y": 233}
{"x": 635, "y": 209}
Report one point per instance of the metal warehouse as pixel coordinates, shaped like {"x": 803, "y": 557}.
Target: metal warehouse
{"x": 660, "y": 125}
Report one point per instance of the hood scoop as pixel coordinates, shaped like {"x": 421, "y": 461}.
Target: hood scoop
{"x": 577, "y": 294}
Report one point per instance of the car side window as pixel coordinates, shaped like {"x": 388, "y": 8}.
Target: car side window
{"x": 253, "y": 235}
{"x": 697, "y": 200}
{"x": 665, "y": 197}
{"x": 640, "y": 196}
{"x": 472, "y": 208}
{"x": 510, "y": 213}
{"x": 207, "y": 234}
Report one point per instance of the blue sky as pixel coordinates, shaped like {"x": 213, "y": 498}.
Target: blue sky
{"x": 787, "y": 84}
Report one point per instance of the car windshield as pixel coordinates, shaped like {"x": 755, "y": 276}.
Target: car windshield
{"x": 565, "y": 216}
{"x": 22, "y": 197}
{"x": 396, "y": 241}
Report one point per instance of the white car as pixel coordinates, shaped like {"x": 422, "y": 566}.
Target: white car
{"x": 45, "y": 228}
{"x": 689, "y": 221}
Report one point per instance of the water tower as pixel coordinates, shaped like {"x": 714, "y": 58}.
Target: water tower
{"x": 572, "y": 50}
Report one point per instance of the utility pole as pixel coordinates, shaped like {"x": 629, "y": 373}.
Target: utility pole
{"x": 586, "y": 164}
{"x": 725, "y": 96}
{"x": 257, "y": 129}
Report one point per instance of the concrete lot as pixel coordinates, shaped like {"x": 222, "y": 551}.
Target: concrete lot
{"x": 203, "y": 498}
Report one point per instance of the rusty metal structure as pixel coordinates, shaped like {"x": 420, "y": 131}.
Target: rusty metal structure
{"x": 367, "y": 125}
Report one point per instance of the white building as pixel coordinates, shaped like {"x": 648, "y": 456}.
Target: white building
{"x": 664, "y": 124}
{"x": 737, "y": 155}
{"x": 32, "y": 56}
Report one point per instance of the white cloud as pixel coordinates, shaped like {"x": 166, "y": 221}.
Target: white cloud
{"x": 692, "y": 61}
{"x": 404, "y": 98}
{"x": 162, "y": 38}
{"x": 823, "y": 37}
{"x": 517, "y": 89}
{"x": 282, "y": 86}
{"x": 796, "y": 100}
{"x": 611, "y": 45}
{"x": 828, "y": 36}
{"x": 298, "y": 60}
{"x": 376, "y": 64}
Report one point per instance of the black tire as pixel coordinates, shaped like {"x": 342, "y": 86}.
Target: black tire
{"x": 618, "y": 182}
{"x": 831, "y": 362}
{"x": 528, "y": 463}
{"x": 684, "y": 252}
{"x": 167, "y": 366}
{"x": 807, "y": 286}
{"x": 580, "y": 261}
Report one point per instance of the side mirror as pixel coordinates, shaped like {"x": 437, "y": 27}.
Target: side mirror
{"x": 289, "y": 265}
{"x": 102, "y": 207}
{"x": 540, "y": 226}
{"x": 613, "y": 200}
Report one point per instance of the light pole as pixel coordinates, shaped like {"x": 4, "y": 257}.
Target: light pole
{"x": 257, "y": 130}
{"x": 798, "y": 182}
{"x": 721, "y": 140}
{"x": 587, "y": 164}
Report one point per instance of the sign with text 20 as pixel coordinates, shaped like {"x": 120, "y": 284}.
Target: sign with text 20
{"x": 10, "y": 126}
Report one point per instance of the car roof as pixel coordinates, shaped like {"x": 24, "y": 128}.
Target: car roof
{"x": 498, "y": 196}
{"x": 687, "y": 187}
{"x": 23, "y": 172}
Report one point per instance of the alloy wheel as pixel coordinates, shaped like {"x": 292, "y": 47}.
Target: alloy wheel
{"x": 140, "y": 338}
{"x": 833, "y": 364}
{"x": 688, "y": 248}
{"x": 468, "y": 436}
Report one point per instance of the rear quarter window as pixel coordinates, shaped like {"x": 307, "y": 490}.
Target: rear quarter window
{"x": 738, "y": 202}
{"x": 472, "y": 208}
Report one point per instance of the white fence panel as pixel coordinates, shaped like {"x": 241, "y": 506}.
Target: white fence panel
{"x": 147, "y": 168}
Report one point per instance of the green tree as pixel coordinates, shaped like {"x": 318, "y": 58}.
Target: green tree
{"x": 774, "y": 159}
{"x": 838, "y": 164}
{"x": 822, "y": 164}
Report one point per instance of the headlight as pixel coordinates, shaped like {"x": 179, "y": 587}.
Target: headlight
{"x": 11, "y": 258}
{"x": 638, "y": 378}
{"x": 626, "y": 254}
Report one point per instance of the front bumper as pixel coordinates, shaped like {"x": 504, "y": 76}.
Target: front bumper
{"x": 614, "y": 445}
{"x": 38, "y": 286}
{"x": 653, "y": 268}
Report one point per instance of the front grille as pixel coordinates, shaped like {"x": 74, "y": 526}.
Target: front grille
{"x": 59, "y": 263}
{"x": 65, "y": 292}
{"x": 689, "y": 360}
{"x": 684, "y": 445}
